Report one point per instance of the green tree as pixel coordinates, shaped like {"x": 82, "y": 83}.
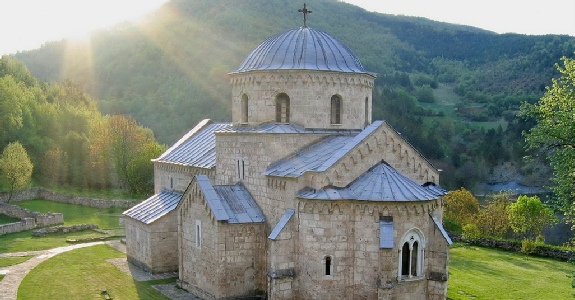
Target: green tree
{"x": 461, "y": 208}
{"x": 554, "y": 134}
{"x": 529, "y": 217}
{"x": 492, "y": 219}
{"x": 15, "y": 167}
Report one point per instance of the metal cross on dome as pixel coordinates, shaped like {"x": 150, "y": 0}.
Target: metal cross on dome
{"x": 305, "y": 11}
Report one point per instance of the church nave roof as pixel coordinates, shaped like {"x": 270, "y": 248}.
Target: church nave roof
{"x": 154, "y": 207}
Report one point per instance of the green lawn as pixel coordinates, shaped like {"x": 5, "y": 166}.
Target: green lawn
{"x": 4, "y": 219}
{"x": 480, "y": 273}
{"x": 24, "y": 241}
{"x": 77, "y": 214}
{"x": 10, "y": 261}
{"x": 73, "y": 214}
{"x": 85, "y": 275}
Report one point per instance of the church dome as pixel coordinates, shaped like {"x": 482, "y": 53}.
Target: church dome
{"x": 303, "y": 48}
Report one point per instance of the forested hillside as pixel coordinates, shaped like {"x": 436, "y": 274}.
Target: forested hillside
{"x": 66, "y": 139}
{"x": 453, "y": 91}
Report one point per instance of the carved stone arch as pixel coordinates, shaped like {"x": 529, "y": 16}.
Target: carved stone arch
{"x": 307, "y": 207}
{"x": 336, "y": 174}
{"x": 391, "y": 141}
{"x": 432, "y": 179}
{"x": 325, "y": 209}
{"x": 426, "y": 174}
{"x": 371, "y": 209}
{"x": 368, "y": 147}
{"x": 336, "y": 209}
{"x": 327, "y": 181}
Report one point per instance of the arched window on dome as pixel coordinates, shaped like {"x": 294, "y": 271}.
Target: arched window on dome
{"x": 244, "y": 109}
{"x": 366, "y": 111}
{"x": 335, "y": 109}
{"x": 282, "y": 108}
{"x": 411, "y": 254}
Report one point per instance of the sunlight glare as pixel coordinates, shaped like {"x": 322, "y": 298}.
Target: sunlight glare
{"x": 40, "y": 21}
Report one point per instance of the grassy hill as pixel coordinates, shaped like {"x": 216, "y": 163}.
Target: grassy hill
{"x": 169, "y": 70}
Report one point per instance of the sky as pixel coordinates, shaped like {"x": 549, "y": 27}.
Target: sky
{"x": 27, "y": 24}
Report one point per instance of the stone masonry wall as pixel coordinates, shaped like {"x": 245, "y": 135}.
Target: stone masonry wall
{"x": 175, "y": 177}
{"x": 153, "y": 247}
{"x": 29, "y": 219}
{"x": 349, "y": 233}
{"x": 23, "y": 225}
{"x": 42, "y": 193}
{"x": 228, "y": 261}
{"x": 258, "y": 152}
{"x": 310, "y": 95}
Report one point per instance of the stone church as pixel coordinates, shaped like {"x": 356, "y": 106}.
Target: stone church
{"x": 301, "y": 196}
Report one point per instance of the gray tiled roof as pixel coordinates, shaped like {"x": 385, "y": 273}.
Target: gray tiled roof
{"x": 154, "y": 207}
{"x": 380, "y": 183}
{"x": 272, "y": 127}
{"x": 302, "y": 48}
{"x": 230, "y": 203}
{"x": 440, "y": 227}
{"x": 197, "y": 148}
{"x": 281, "y": 224}
{"x": 320, "y": 156}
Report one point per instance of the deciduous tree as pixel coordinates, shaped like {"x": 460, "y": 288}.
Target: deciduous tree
{"x": 461, "y": 208}
{"x": 529, "y": 217}
{"x": 554, "y": 134}
{"x": 15, "y": 167}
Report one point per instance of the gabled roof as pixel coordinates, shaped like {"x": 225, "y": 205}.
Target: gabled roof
{"x": 197, "y": 148}
{"x": 230, "y": 203}
{"x": 154, "y": 207}
{"x": 320, "y": 156}
{"x": 380, "y": 183}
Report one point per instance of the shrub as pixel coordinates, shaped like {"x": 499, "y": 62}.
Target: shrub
{"x": 471, "y": 232}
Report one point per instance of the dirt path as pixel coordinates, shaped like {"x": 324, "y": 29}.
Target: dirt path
{"x": 14, "y": 274}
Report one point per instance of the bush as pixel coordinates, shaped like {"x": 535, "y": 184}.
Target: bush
{"x": 528, "y": 245}
{"x": 471, "y": 232}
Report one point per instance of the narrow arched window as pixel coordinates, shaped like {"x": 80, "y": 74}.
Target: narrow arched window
{"x": 335, "y": 109}
{"x": 328, "y": 265}
{"x": 244, "y": 109}
{"x": 366, "y": 111}
{"x": 282, "y": 108}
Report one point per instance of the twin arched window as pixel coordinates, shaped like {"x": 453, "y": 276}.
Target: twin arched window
{"x": 411, "y": 255}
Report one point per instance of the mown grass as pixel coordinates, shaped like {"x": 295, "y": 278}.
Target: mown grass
{"x": 106, "y": 194}
{"x": 73, "y": 214}
{"x": 77, "y": 214}
{"x": 83, "y": 274}
{"x": 24, "y": 241}
{"x": 10, "y": 261}
{"x": 480, "y": 273}
{"x": 4, "y": 219}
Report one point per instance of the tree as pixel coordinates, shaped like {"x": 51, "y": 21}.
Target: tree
{"x": 492, "y": 220}
{"x": 15, "y": 167}
{"x": 461, "y": 208}
{"x": 529, "y": 217}
{"x": 554, "y": 134}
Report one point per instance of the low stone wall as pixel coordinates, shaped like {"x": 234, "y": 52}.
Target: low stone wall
{"x": 515, "y": 246}
{"x": 29, "y": 219}
{"x": 24, "y": 224}
{"x": 63, "y": 229}
{"x": 42, "y": 193}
